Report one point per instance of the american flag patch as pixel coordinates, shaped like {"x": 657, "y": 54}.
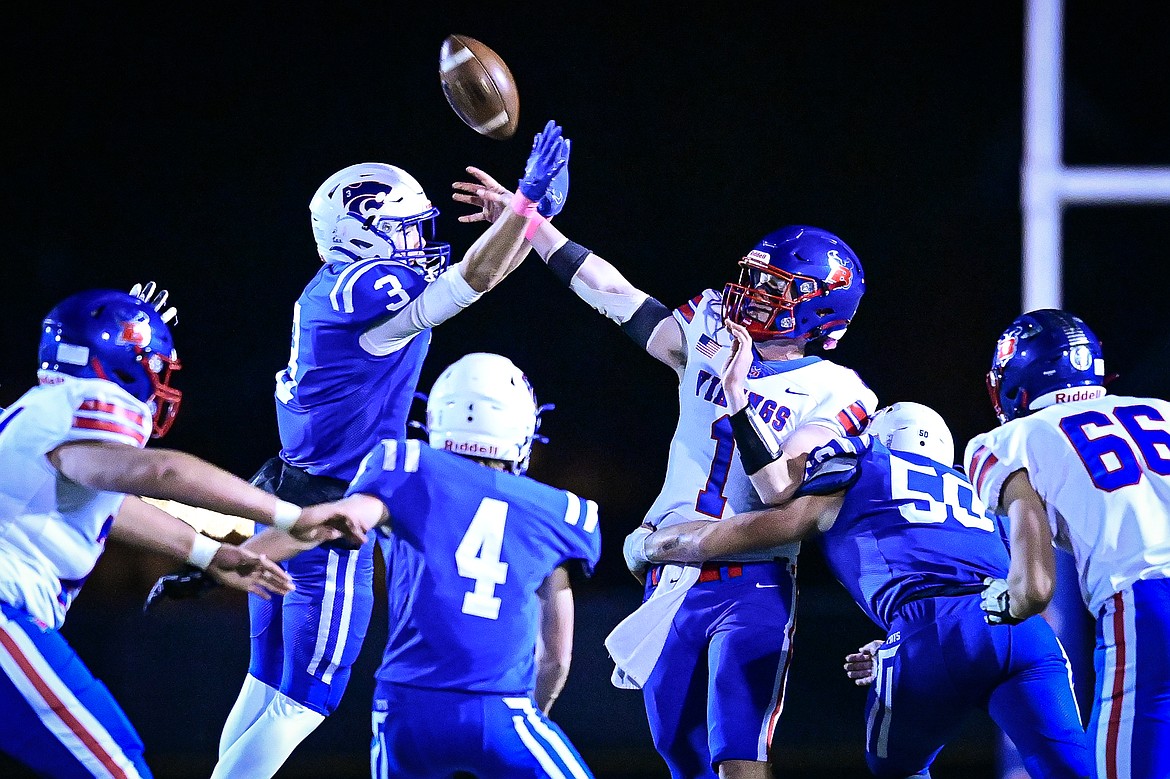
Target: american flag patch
{"x": 708, "y": 346}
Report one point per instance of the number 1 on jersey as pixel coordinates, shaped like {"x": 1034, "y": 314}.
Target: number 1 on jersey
{"x": 478, "y": 558}
{"x": 711, "y": 500}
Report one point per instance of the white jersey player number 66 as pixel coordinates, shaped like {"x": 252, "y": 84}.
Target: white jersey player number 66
{"x": 478, "y": 558}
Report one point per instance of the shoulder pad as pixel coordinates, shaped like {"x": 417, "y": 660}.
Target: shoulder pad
{"x": 834, "y": 466}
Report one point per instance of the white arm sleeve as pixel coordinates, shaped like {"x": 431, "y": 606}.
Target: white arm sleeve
{"x": 618, "y": 306}
{"x": 442, "y": 299}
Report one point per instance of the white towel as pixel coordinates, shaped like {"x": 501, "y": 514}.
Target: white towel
{"x": 636, "y": 643}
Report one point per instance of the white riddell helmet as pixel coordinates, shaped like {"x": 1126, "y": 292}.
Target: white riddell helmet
{"x": 913, "y": 427}
{"x": 376, "y": 210}
{"x": 483, "y": 406}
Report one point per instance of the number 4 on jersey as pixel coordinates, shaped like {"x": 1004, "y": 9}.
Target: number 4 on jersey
{"x": 478, "y": 558}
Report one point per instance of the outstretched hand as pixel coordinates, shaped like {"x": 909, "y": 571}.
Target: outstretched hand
{"x": 545, "y": 181}
{"x": 735, "y": 370}
{"x": 350, "y": 519}
{"x": 557, "y": 192}
{"x": 550, "y": 153}
{"x": 861, "y": 666}
{"x": 241, "y": 569}
{"x": 486, "y": 194}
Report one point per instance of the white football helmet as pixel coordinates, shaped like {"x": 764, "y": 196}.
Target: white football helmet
{"x": 376, "y": 210}
{"x": 913, "y": 427}
{"x": 483, "y": 406}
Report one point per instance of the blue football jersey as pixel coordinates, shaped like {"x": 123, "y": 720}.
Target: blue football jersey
{"x": 471, "y": 545}
{"x": 339, "y": 396}
{"x": 909, "y": 528}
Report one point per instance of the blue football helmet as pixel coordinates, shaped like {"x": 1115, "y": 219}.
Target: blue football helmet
{"x": 376, "y": 210}
{"x": 798, "y": 282}
{"x": 1041, "y": 355}
{"x": 112, "y": 335}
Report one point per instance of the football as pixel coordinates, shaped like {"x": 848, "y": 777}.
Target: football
{"x": 479, "y": 87}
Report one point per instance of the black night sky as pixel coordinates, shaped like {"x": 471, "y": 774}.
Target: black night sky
{"x": 182, "y": 144}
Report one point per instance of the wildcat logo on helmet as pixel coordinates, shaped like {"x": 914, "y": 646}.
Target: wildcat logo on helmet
{"x": 840, "y": 275}
{"x": 366, "y": 197}
{"x": 135, "y": 332}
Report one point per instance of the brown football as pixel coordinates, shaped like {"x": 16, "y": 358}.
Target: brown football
{"x": 479, "y": 87}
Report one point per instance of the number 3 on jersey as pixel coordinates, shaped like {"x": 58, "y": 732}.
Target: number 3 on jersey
{"x": 478, "y": 558}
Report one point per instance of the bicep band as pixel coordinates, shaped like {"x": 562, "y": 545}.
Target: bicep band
{"x": 757, "y": 442}
{"x": 566, "y": 261}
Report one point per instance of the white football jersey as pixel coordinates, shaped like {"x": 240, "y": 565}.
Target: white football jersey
{"x": 53, "y": 530}
{"x": 705, "y": 479}
{"x": 1103, "y": 468}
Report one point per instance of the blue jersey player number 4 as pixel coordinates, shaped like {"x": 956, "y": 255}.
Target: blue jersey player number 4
{"x": 482, "y": 612}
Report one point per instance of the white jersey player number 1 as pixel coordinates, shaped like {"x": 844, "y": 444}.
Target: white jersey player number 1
{"x": 478, "y": 558}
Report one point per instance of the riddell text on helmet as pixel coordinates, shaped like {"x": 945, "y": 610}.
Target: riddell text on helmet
{"x": 1085, "y": 393}
{"x": 470, "y": 447}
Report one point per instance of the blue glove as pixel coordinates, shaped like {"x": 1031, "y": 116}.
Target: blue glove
{"x": 558, "y": 190}
{"x": 549, "y": 155}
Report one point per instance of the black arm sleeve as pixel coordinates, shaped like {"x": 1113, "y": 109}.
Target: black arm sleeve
{"x": 565, "y": 261}
{"x": 641, "y": 325}
{"x": 754, "y": 451}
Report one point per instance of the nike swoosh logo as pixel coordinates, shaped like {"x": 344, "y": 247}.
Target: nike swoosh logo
{"x": 766, "y": 586}
{"x": 794, "y": 392}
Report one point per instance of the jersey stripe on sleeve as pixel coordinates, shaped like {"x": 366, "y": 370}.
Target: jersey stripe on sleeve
{"x": 688, "y": 309}
{"x": 341, "y": 298}
{"x": 573, "y": 512}
{"x": 110, "y": 421}
{"x": 407, "y": 461}
{"x": 979, "y": 470}
{"x": 854, "y": 418}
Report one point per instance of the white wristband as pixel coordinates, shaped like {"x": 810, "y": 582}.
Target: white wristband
{"x": 286, "y": 515}
{"x": 202, "y": 550}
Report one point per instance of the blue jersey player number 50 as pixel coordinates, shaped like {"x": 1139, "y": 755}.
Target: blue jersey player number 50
{"x": 933, "y": 496}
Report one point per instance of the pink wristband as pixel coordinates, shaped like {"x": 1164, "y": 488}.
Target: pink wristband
{"x": 527, "y": 209}
{"x": 523, "y": 206}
